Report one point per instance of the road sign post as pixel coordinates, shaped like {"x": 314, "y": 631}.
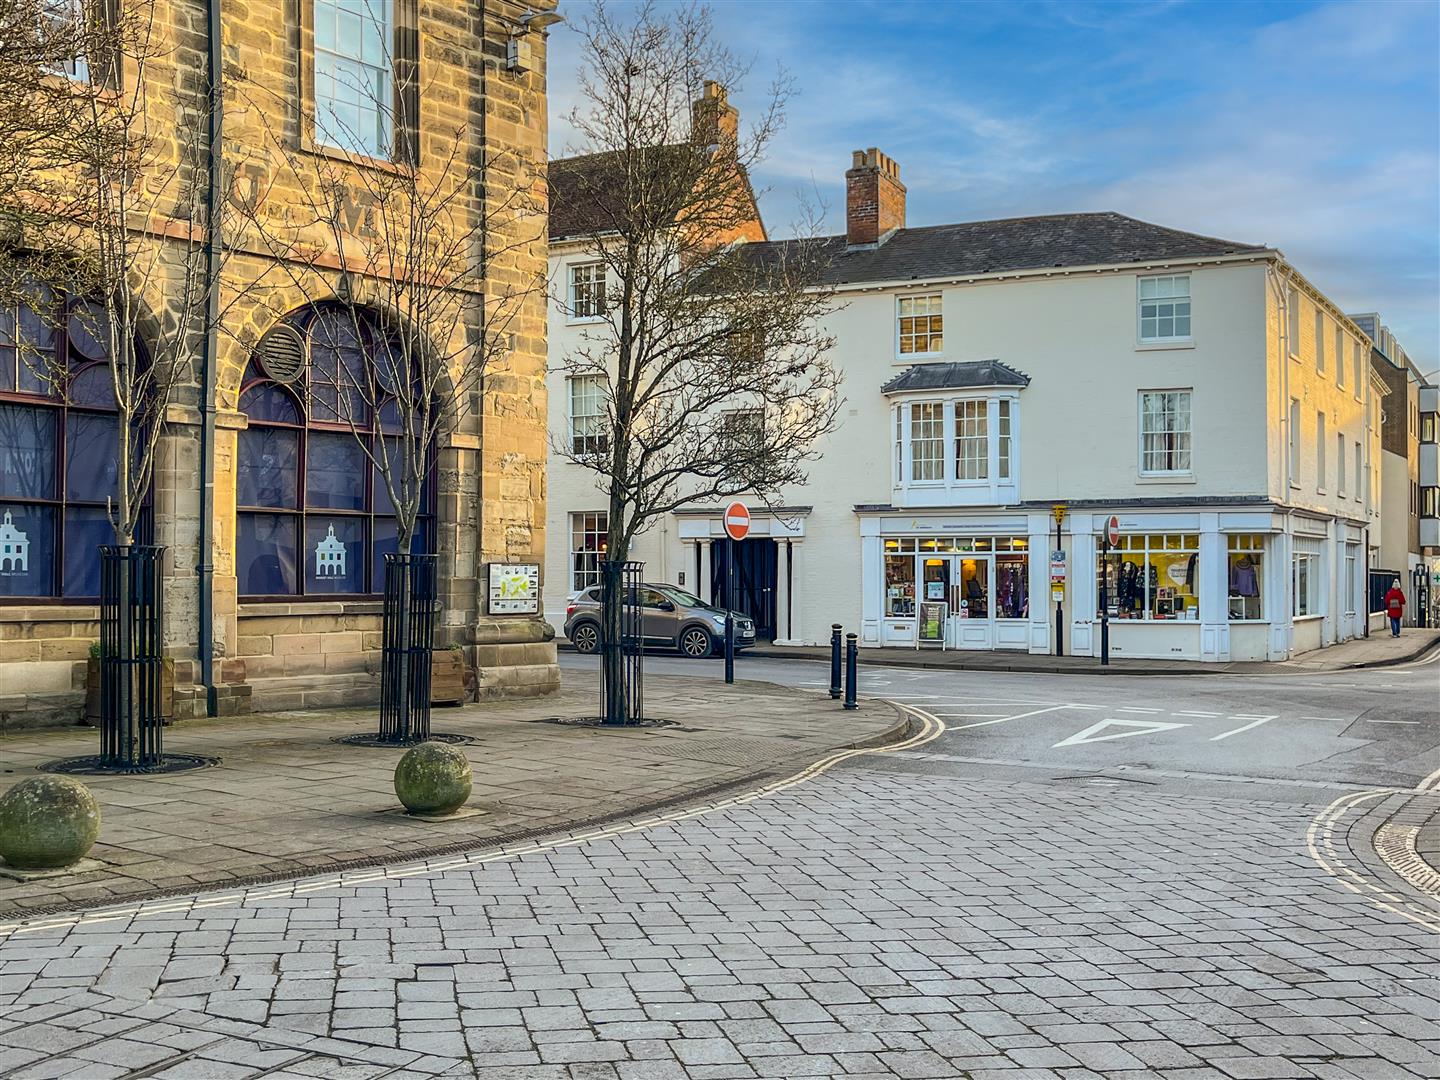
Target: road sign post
{"x": 1057, "y": 558}
{"x": 1112, "y": 537}
{"x": 737, "y": 527}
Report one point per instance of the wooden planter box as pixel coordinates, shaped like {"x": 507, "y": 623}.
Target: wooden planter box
{"x": 92, "y": 690}
{"x": 451, "y": 680}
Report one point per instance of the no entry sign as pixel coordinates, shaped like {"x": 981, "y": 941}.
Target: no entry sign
{"x": 1112, "y": 531}
{"x": 737, "y": 521}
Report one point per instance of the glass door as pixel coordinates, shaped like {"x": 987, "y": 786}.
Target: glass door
{"x": 971, "y": 614}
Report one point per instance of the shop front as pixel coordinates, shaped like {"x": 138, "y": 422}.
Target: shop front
{"x": 946, "y": 584}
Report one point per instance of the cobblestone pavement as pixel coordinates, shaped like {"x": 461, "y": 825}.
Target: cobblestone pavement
{"x": 287, "y": 800}
{"x": 880, "y": 921}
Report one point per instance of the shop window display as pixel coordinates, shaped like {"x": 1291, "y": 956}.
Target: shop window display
{"x": 1012, "y": 586}
{"x": 900, "y": 586}
{"x": 1246, "y": 570}
{"x": 1152, "y": 576}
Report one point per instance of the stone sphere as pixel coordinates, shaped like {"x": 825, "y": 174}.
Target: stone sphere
{"x": 433, "y": 778}
{"x": 47, "y": 822}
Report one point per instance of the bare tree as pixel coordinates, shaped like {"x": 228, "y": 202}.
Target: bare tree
{"x": 407, "y": 251}
{"x": 708, "y": 353}
{"x": 116, "y": 224}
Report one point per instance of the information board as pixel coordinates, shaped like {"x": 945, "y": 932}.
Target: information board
{"x": 932, "y": 621}
{"x": 514, "y": 588}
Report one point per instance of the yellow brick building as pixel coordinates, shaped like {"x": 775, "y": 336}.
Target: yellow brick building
{"x": 284, "y": 630}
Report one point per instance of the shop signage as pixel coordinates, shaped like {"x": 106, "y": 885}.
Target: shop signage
{"x": 1057, "y": 566}
{"x": 932, "y": 622}
{"x": 514, "y": 588}
{"x": 934, "y": 590}
{"x": 737, "y": 521}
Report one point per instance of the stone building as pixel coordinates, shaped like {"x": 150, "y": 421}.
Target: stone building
{"x": 272, "y": 602}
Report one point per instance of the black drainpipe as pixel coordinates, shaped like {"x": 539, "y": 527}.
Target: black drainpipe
{"x": 214, "y": 192}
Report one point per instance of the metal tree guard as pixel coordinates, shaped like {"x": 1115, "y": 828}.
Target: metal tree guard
{"x": 132, "y": 659}
{"x": 132, "y": 669}
{"x": 408, "y": 636}
{"x": 622, "y": 647}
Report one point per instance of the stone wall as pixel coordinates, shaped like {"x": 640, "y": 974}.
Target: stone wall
{"x": 491, "y": 485}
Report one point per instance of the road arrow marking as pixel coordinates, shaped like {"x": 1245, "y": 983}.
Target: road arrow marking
{"x": 1136, "y": 727}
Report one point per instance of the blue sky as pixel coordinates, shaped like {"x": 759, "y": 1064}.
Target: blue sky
{"x": 1311, "y": 127}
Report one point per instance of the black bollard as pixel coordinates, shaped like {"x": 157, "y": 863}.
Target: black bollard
{"x": 835, "y": 661}
{"x": 852, "y": 648}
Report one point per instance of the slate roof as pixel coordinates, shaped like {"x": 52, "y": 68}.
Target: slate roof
{"x": 955, "y": 376}
{"x": 1028, "y": 243}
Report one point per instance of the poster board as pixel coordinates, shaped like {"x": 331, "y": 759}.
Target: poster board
{"x": 514, "y": 588}
{"x": 932, "y": 623}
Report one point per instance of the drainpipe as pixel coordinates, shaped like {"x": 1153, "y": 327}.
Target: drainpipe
{"x": 205, "y": 570}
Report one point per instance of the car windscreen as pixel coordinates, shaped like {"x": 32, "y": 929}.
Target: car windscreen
{"x": 683, "y": 598}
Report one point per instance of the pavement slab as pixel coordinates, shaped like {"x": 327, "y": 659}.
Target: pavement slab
{"x": 287, "y": 799}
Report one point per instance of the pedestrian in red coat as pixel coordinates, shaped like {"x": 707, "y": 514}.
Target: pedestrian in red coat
{"x": 1395, "y": 607}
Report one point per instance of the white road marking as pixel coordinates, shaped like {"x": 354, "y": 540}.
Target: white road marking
{"x": 1139, "y": 727}
{"x": 1392, "y": 721}
{"x": 1193, "y": 712}
{"x": 1244, "y": 727}
{"x": 1131, "y": 708}
{"x": 1429, "y": 782}
{"x": 1327, "y": 719}
{"x": 1005, "y": 719}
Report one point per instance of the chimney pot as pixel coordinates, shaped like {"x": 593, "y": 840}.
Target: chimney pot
{"x": 874, "y": 198}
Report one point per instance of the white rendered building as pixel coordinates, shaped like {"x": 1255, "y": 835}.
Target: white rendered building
{"x": 1200, "y": 391}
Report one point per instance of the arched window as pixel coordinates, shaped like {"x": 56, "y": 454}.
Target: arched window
{"x": 314, "y": 518}
{"x": 57, "y": 448}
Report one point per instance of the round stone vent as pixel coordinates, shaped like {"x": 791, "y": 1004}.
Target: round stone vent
{"x": 281, "y": 353}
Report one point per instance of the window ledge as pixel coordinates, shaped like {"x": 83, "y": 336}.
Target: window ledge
{"x": 1165, "y": 478}
{"x": 43, "y": 609}
{"x": 1306, "y": 618}
{"x": 1163, "y": 344}
{"x": 908, "y": 358}
{"x": 584, "y": 320}
{"x": 309, "y": 145}
{"x": 300, "y": 606}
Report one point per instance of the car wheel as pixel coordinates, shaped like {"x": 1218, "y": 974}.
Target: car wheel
{"x": 695, "y": 642}
{"x": 586, "y": 638}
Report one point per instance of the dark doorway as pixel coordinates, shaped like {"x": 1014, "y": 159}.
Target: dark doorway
{"x": 756, "y": 574}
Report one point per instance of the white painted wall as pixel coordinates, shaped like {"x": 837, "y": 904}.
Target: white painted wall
{"x": 1075, "y": 335}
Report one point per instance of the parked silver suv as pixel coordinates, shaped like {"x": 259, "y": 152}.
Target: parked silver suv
{"x": 670, "y": 618}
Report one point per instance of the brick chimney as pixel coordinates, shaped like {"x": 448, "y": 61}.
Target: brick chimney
{"x": 874, "y": 198}
{"x": 714, "y": 120}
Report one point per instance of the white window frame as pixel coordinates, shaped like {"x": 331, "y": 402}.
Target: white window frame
{"x": 935, "y": 309}
{"x": 972, "y": 432}
{"x": 1359, "y": 471}
{"x": 1293, "y": 315}
{"x": 1305, "y": 565}
{"x": 345, "y": 66}
{"x": 1340, "y": 355}
{"x": 64, "y": 12}
{"x": 1256, "y": 545}
{"x": 1319, "y": 341}
{"x": 1184, "y": 397}
{"x": 589, "y": 433}
{"x": 934, "y": 415}
{"x": 585, "y": 291}
{"x": 1340, "y": 464}
{"x": 1292, "y": 459}
{"x": 1357, "y": 365}
{"x": 1164, "y": 289}
{"x": 996, "y": 414}
{"x": 1321, "y": 438}
{"x": 586, "y": 523}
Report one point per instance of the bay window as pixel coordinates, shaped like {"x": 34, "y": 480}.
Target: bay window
{"x": 960, "y": 449}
